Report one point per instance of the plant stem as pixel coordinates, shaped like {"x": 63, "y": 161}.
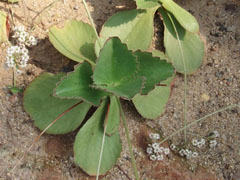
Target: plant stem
{"x": 185, "y": 78}
{"x": 92, "y": 23}
{"x": 129, "y": 141}
{"x": 185, "y": 106}
{"x": 14, "y": 77}
{"x": 198, "y": 120}
{"x": 102, "y": 146}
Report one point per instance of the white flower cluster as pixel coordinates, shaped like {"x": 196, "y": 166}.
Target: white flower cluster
{"x": 188, "y": 153}
{"x": 23, "y": 38}
{"x": 199, "y": 143}
{"x": 154, "y": 150}
{"x": 213, "y": 142}
{"x": 184, "y": 152}
{"x": 17, "y": 57}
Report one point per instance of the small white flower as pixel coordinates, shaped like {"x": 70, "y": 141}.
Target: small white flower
{"x": 157, "y": 150}
{"x": 194, "y": 154}
{"x": 155, "y": 145}
{"x": 166, "y": 151}
{"x": 182, "y": 152}
{"x": 149, "y": 150}
{"x": 202, "y": 141}
{"x": 172, "y": 147}
{"x": 194, "y": 142}
{"x": 159, "y": 157}
{"x": 153, "y": 157}
{"x": 154, "y": 136}
{"x": 213, "y": 143}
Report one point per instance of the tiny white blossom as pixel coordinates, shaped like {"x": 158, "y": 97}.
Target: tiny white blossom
{"x": 154, "y": 136}
{"x": 166, "y": 151}
{"x": 157, "y": 150}
{"x": 159, "y": 157}
{"x": 194, "y": 142}
{"x": 155, "y": 145}
{"x": 153, "y": 157}
{"x": 172, "y": 146}
{"x": 194, "y": 154}
{"x": 213, "y": 143}
{"x": 149, "y": 150}
{"x": 182, "y": 152}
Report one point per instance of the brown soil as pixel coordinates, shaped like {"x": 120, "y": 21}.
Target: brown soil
{"x": 215, "y": 85}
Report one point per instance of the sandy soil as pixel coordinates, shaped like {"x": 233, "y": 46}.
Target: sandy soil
{"x": 215, "y": 85}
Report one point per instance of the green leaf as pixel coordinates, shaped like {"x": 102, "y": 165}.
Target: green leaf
{"x": 75, "y": 40}
{"x": 133, "y": 27}
{"x": 183, "y": 48}
{"x": 186, "y": 20}
{"x": 15, "y": 89}
{"x": 113, "y": 117}
{"x": 116, "y": 70}
{"x": 77, "y": 85}
{"x": 44, "y": 108}
{"x": 87, "y": 145}
{"x": 145, "y": 4}
{"x": 153, "y": 69}
{"x": 153, "y": 104}
{"x": 3, "y": 28}
{"x": 13, "y": 1}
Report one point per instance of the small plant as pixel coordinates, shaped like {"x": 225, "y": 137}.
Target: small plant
{"x": 111, "y": 66}
{"x": 17, "y": 55}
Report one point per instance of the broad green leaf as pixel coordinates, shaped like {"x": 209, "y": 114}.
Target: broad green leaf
{"x": 87, "y": 145}
{"x": 153, "y": 69}
{"x": 184, "y": 49}
{"x": 43, "y": 107}
{"x": 153, "y": 104}
{"x": 113, "y": 117}
{"x": 77, "y": 85}
{"x": 75, "y": 40}
{"x": 116, "y": 70}
{"x": 145, "y": 4}
{"x": 186, "y": 20}
{"x": 3, "y": 28}
{"x": 133, "y": 27}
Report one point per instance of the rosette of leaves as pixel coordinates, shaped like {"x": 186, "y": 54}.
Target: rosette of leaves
{"x": 98, "y": 81}
{"x": 112, "y": 66}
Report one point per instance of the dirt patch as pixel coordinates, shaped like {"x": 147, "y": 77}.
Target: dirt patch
{"x": 215, "y": 85}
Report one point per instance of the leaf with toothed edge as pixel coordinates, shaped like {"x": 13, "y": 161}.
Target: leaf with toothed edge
{"x": 183, "y": 48}
{"x": 88, "y": 142}
{"x": 43, "y": 107}
{"x": 154, "y": 69}
{"x": 153, "y": 104}
{"x": 77, "y": 85}
{"x": 75, "y": 40}
{"x": 133, "y": 27}
{"x": 113, "y": 119}
{"x": 116, "y": 70}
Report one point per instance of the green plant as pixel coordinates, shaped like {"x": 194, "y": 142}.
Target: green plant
{"x": 111, "y": 66}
